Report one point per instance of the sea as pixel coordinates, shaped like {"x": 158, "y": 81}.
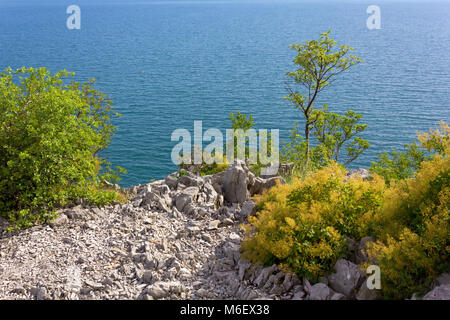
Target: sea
{"x": 166, "y": 64}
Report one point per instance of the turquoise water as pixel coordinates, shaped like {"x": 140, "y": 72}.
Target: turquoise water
{"x": 166, "y": 64}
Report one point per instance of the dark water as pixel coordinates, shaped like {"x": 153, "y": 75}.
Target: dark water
{"x": 166, "y": 64}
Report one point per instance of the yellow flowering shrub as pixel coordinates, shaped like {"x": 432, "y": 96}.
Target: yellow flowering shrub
{"x": 301, "y": 225}
{"x": 414, "y": 231}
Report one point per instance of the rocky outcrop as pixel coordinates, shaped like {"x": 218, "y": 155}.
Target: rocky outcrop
{"x": 178, "y": 238}
{"x": 235, "y": 183}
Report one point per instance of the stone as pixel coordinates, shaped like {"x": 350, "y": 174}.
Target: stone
{"x": 227, "y": 222}
{"x": 213, "y": 225}
{"x": 264, "y": 275}
{"x": 290, "y": 281}
{"x": 358, "y": 173}
{"x": 158, "y": 291}
{"x": 147, "y": 277}
{"x": 299, "y": 295}
{"x": 185, "y": 197}
{"x": 234, "y": 184}
{"x": 75, "y": 213}
{"x": 272, "y": 182}
{"x": 38, "y": 293}
{"x": 171, "y": 181}
{"x": 364, "y": 293}
{"x": 60, "y": 220}
{"x": 234, "y": 237}
{"x": 206, "y": 237}
{"x": 441, "y": 292}
{"x": 307, "y": 285}
{"x": 18, "y": 290}
{"x": 191, "y": 180}
{"x": 346, "y": 278}
{"x": 337, "y": 296}
{"x": 319, "y": 291}
{"x": 94, "y": 285}
{"x": 248, "y": 209}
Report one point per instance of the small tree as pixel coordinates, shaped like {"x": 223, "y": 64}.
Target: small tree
{"x": 319, "y": 62}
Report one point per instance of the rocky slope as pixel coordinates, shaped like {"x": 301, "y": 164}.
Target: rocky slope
{"x": 179, "y": 238}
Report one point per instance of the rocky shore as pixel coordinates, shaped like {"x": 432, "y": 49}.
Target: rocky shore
{"x": 178, "y": 238}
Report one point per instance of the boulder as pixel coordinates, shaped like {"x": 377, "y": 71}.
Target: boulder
{"x": 191, "y": 180}
{"x": 185, "y": 197}
{"x": 261, "y": 184}
{"x": 346, "y": 278}
{"x": 235, "y": 181}
{"x": 319, "y": 291}
{"x": 248, "y": 208}
{"x": 171, "y": 181}
{"x": 216, "y": 181}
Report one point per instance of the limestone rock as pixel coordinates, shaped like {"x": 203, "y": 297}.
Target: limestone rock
{"x": 346, "y": 278}
{"x": 248, "y": 208}
{"x": 365, "y": 293}
{"x": 441, "y": 292}
{"x": 234, "y": 183}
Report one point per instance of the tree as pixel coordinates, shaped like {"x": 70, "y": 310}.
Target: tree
{"x": 319, "y": 62}
{"x": 51, "y": 133}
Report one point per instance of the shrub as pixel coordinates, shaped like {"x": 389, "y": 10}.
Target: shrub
{"x": 50, "y": 136}
{"x": 302, "y": 225}
{"x": 414, "y": 231}
{"x": 402, "y": 165}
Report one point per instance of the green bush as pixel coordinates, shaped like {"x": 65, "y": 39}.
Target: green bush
{"x": 51, "y": 133}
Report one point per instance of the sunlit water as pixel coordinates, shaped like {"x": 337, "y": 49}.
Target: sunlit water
{"x": 166, "y": 64}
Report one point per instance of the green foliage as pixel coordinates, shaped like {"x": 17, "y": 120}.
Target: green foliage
{"x": 50, "y": 136}
{"x": 319, "y": 62}
{"x": 399, "y": 165}
{"x": 301, "y": 225}
{"x": 333, "y": 132}
{"x": 402, "y": 165}
{"x": 241, "y": 121}
{"x": 294, "y": 151}
{"x": 208, "y": 169}
{"x": 241, "y": 124}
